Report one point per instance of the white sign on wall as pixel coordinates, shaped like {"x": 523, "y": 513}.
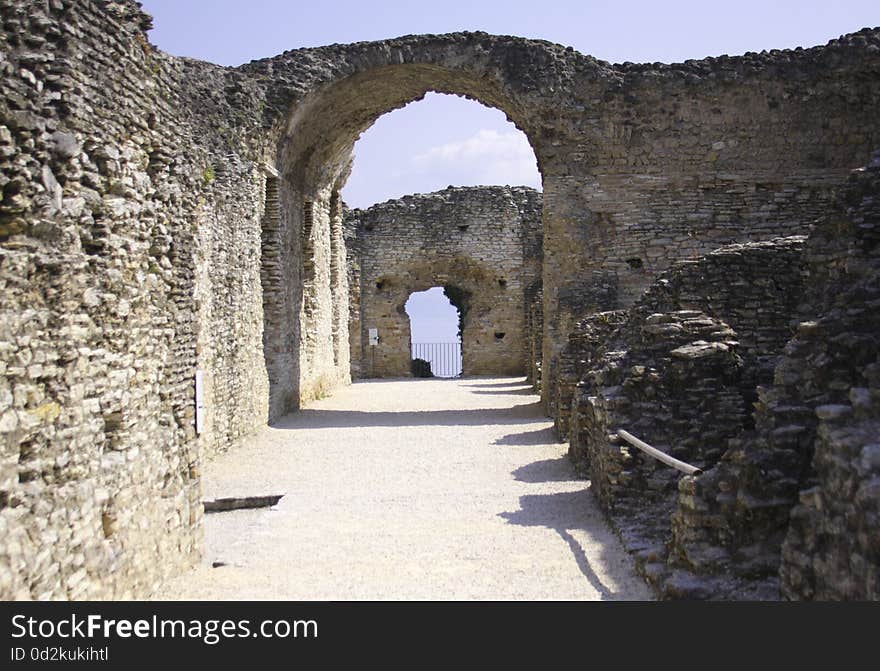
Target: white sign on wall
{"x": 374, "y": 337}
{"x": 200, "y": 402}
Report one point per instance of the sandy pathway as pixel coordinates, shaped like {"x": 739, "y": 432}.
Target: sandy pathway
{"x": 414, "y": 489}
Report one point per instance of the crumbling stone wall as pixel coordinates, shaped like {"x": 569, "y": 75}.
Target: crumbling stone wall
{"x": 676, "y": 386}
{"x": 480, "y": 242}
{"x": 353, "y": 269}
{"x": 831, "y": 549}
{"x": 535, "y": 333}
{"x": 797, "y": 498}
{"x": 684, "y": 381}
{"x": 163, "y": 215}
{"x": 790, "y": 506}
{"x": 754, "y": 287}
{"x": 586, "y": 344}
{"x": 99, "y": 491}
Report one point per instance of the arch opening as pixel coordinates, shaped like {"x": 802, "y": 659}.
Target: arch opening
{"x": 435, "y": 333}
{"x": 470, "y": 291}
{"x": 312, "y": 352}
{"x": 435, "y": 142}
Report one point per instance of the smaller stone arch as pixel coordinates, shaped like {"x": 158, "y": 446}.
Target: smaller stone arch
{"x": 481, "y": 244}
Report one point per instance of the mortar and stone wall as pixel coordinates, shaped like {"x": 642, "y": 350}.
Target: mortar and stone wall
{"x": 587, "y": 343}
{"x": 789, "y": 508}
{"x": 480, "y": 241}
{"x": 161, "y": 215}
{"x": 99, "y": 492}
{"x": 683, "y": 381}
{"x": 534, "y": 298}
{"x": 754, "y": 287}
{"x": 795, "y": 502}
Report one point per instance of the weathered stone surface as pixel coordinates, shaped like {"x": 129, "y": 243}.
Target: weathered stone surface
{"x": 98, "y": 492}
{"x": 484, "y": 243}
{"x": 586, "y": 343}
{"x": 683, "y": 381}
{"x": 162, "y": 215}
{"x": 793, "y": 500}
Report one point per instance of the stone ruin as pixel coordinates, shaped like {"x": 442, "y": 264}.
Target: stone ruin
{"x": 165, "y": 220}
{"x": 757, "y": 363}
{"x": 482, "y": 244}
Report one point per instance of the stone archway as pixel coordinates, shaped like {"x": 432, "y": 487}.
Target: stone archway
{"x": 641, "y": 164}
{"x": 306, "y": 344}
{"x": 485, "y": 308}
{"x": 482, "y": 244}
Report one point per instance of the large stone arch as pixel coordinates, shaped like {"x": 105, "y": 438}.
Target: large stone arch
{"x": 311, "y": 152}
{"x": 642, "y": 164}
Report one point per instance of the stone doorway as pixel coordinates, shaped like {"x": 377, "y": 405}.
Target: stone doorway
{"x": 477, "y": 243}
{"x": 435, "y": 333}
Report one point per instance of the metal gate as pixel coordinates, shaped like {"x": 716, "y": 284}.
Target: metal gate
{"x": 444, "y": 357}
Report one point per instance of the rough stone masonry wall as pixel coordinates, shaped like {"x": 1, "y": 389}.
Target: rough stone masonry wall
{"x": 535, "y": 332}
{"x": 133, "y": 193}
{"x": 481, "y": 241}
{"x": 799, "y": 496}
{"x": 353, "y": 269}
{"x": 675, "y": 386}
{"x": 658, "y": 187}
{"x": 101, "y": 194}
{"x": 754, "y": 287}
{"x": 586, "y": 344}
{"x": 157, "y": 210}
{"x": 684, "y": 382}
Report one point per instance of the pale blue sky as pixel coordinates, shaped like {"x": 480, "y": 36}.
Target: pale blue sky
{"x": 448, "y": 140}
{"x": 432, "y": 317}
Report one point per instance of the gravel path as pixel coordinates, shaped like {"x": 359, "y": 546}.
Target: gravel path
{"x": 409, "y": 489}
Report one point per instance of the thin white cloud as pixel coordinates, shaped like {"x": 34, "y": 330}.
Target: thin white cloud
{"x": 486, "y": 157}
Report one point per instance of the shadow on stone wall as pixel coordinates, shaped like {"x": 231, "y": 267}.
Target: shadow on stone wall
{"x": 787, "y": 502}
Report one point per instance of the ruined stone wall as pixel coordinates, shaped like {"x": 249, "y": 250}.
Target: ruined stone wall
{"x": 227, "y": 294}
{"x": 754, "y": 287}
{"x": 133, "y": 200}
{"x": 721, "y": 148}
{"x": 789, "y": 506}
{"x": 481, "y": 241}
{"x": 675, "y": 386}
{"x": 101, "y": 201}
{"x": 353, "y": 269}
{"x": 588, "y": 341}
{"x": 831, "y": 548}
{"x": 163, "y": 215}
{"x": 535, "y": 332}
{"x": 797, "y": 497}
{"x": 684, "y": 381}
{"x": 324, "y": 352}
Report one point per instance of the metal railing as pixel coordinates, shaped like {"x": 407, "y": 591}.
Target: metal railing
{"x": 657, "y": 454}
{"x": 444, "y": 357}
